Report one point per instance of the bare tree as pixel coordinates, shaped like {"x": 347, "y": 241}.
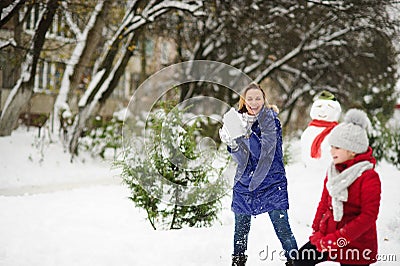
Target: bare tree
{"x": 301, "y": 47}
{"x": 23, "y": 89}
{"x": 116, "y": 55}
{"x": 86, "y": 42}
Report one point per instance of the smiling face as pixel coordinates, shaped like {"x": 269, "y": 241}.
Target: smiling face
{"x": 340, "y": 155}
{"x": 254, "y": 101}
{"x": 326, "y": 110}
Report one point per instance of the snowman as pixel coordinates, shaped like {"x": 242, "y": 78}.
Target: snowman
{"x": 325, "y": 113}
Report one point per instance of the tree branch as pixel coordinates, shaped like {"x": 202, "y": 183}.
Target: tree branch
{"x": 12, "y": 8}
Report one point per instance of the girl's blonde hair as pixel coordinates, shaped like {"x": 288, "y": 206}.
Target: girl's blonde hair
{"x": 242, "y": 99}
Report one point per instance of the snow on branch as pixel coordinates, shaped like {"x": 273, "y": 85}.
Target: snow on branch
{"x": 237, "y": 61}
{"x": 10, "y": 42}
{"x": 255, "y": 65}
{"x": 284, "y": 85}
{"x": 90, "y": 90}
{"x": 7, "y": 11}
{"x": 292, "y": 54}
{"x": 190, "y": 6}
{"x": 106, "y": 84}
{"x": 98, "y": 8}
{"x": 69, "y": 20}
{"x": 279, "y": 62}
{"x": 296, "y": 71}
{"x": 338, "y": 5}
{"x": 327, "y": 40}
{"x": 74, "y": 59}
{"x": 151, "y": 12}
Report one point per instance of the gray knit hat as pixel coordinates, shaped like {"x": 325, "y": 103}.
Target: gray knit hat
{"x": 351, "y": 135}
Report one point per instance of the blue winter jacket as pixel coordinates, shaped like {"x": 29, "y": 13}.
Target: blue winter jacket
{"x": 260, "y": 179}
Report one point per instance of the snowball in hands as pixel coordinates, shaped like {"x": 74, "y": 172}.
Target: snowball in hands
{"x": 225, "y": 138}
{"x": 234, "y": 124}
{"x": 232, "y": 128}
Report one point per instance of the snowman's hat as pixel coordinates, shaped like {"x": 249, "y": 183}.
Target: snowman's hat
{"x": 325, "y": 95}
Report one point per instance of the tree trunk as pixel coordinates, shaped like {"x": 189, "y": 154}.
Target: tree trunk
{"x": 96, "y": 100}
{"x": 127, "y": 34}
{"x": 23, "y": 90}
{"x": 9, "y": 116}
{"x": 143, "y": 58}
{"x": 175, "y": 213}
{"x": 81, "y": 57}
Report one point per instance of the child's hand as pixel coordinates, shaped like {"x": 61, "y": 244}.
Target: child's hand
{"x": 315, "y": 237}
{"x": 319, "y": 246}
{"x": 333, "y": 241}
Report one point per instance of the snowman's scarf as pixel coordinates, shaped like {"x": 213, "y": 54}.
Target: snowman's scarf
{"x": 338, "y": 183}
{"x": 316, "y": 145}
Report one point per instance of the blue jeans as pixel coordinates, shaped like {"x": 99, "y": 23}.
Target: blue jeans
{"x": 280, "y": 221}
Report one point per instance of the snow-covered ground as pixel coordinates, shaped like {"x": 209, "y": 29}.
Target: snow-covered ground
{"x": 54, "y": 212}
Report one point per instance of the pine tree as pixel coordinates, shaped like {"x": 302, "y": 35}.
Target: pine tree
{"x": 170, "y": 177}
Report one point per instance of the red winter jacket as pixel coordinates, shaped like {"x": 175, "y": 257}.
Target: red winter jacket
{"x": 360, "y": 212}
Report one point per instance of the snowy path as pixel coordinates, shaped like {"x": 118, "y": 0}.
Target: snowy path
{"x": 53, "y": 187}
{"x": 98, "y": 225}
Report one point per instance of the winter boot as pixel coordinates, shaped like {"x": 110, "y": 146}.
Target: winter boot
{"x": 239, "y": 260}
{"x": 289, "y": 263}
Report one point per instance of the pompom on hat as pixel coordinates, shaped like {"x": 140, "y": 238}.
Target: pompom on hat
{"x": 351, "y": 134}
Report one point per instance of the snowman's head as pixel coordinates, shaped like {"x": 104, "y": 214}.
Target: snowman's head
{"x": 326, "y": 108}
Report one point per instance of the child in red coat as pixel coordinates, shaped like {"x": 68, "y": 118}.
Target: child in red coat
{"x": 344, "y": 227}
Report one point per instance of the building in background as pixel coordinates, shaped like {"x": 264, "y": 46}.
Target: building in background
{"x": 159, "y": 52}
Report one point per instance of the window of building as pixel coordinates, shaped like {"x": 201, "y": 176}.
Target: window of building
{"x": 57, "y": 29}
{"x": 48, "y": 76}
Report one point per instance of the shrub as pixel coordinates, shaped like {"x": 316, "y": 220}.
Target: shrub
{"x": 104, "y": 135}
{"x": 385, "y": 141}
{"x": 169, "y": 177}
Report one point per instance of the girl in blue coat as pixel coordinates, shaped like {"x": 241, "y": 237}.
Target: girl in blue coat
{"x": 260, "y": 180}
